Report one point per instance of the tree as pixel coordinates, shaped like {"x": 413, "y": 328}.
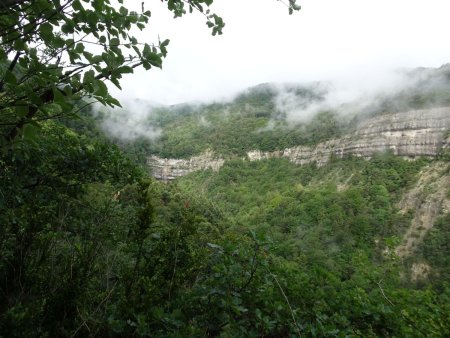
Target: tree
{"x": 53, "y": 53}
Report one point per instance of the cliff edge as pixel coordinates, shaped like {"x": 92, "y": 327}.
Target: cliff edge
{"x": 409, "y": 134}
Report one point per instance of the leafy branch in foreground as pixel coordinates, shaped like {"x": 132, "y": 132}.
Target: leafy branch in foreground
{"x": 53, "y": 53}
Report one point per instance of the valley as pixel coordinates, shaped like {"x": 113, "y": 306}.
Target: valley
{"x": 350, "y": 199}
{"x": 289, "y": 179}
{"x": 233, "y": 219}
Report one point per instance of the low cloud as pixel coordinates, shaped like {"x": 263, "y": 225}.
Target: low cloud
{"x": 357, "y": 94}
{"x": 300, "y": 103}
{"x": 354, "y": 95}
{"x": 204, "y": 122}
{"x": 131, "y": 122}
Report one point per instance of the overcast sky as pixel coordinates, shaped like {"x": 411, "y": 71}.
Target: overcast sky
{"x": 351, "y": 41}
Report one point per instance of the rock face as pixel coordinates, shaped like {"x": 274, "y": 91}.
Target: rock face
{"x": 167, "y": 169}
{"x": 427, "y": 200}
{"x": 409, "y": 134}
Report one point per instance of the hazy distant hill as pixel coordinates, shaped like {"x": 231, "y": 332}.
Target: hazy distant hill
{"x": 270, "y": 117}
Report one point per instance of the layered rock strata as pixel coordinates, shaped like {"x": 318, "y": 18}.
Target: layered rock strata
{"x": 167, "y": 169}
{"x": 409, "y": 134}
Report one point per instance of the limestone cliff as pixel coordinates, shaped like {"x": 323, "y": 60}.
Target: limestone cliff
{"x": 167, "y": 169}
{"x": 409, "y": 134}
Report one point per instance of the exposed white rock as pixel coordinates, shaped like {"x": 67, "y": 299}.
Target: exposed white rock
{"x": 420, "y": 271}
{"x": 428, "y": 200}
{"x": 409, "y": 134}
{"x": 167, "y": 169}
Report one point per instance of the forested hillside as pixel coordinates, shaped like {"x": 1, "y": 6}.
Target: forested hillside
{"x": 345, "y": 223}
{"x": 91, "y": 245}
{"x": 270, "y": 117}
{"x": 94, "y": 247}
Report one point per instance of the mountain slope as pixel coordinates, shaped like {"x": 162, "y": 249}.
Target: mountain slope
{"x": 409, "y": 134}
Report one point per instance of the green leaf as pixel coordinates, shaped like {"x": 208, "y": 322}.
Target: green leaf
{"x": 58, "y": 97}
{"x": 79, "y": 48}
{"x": 146, "y": 65}
{"x": 114, "y": 42}
{"x": 111, "y": 101}
{"x": 10, "y": 78}
{"x": 58, "y": 42}
{"x": 67, "y": 28}
{"x": 76, "y": 5}
{"x": 30, "y": 132}
{"x": 19, "y": 44}
{"x": 116, "y": 83}
{"x": 22, "y": 110}
{"x": 165, "y": 43}
{"x": 88, "y": 56}
{"x": 97, "y": 59}
{"x": 154, "y": 59}
{"x": 101, "y": 88}
{"x": 138, "y": 52}
{"x": 123, "y": 11}
{"x": 162, "y": 47}
{"x": 88, "y": 76}
{"x": 125, "y": 70}
{"x": 46, "y": 29}
{"x": 147, "y": 50}
{"x": 35, "y": 99}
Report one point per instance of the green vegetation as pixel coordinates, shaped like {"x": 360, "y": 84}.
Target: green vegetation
{"x": 428, "y": 88}
{"x": 434, "y": 251}
{"x": 251, "y": 121}
{"x": 331, "y": 227}
{"x": 345, "y": 205}
{"x": 90, "y": 245}
{"x": 256, "y": 119}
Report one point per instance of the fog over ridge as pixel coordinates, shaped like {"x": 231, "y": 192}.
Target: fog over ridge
{"x": 347, "y": 96}
{"x": 131, "y": 121}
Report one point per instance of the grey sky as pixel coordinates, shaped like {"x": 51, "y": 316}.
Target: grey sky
{"x": 355, "y": 42}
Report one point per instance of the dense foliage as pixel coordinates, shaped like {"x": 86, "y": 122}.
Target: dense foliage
{"x": 250, "y": 121}
{"x": 333, "y": 225}
{"x": 344, "y": 206}
{"x": 90, "y": 245}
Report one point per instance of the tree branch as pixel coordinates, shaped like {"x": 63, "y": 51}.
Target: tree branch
{"x": 382, "y": 292}
{"x": 10, "y": 68}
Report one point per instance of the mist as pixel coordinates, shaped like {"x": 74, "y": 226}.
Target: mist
{"x": 131, "y": 121}
{"x": 357, "y": 50}
{"x": 355, "y": 94}
{"x": 351, "y": 95}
